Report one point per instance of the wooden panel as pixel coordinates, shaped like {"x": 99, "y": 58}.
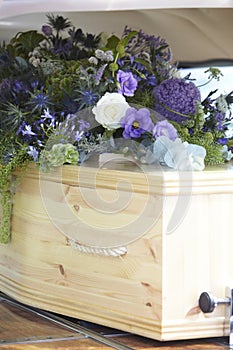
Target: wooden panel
{"x": 153, "y": 290}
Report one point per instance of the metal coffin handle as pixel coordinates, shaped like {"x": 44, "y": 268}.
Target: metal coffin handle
{"x": 208, "y": 303}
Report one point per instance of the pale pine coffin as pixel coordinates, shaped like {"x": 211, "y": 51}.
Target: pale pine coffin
{"x": 175, "y": 241}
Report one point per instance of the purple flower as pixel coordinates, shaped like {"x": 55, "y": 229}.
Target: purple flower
{"x": 47, "y": 30}
{"x": 88, "y": 98}
{"x": 39, "y": 101}
{"x": 222, "y": 141}
{"x": 219, "y": 119}
{"x": 79, "y": 135}
{"x": 128, "y": 84}
{"x": 33, "y": 153}
{"x": 135, "y": 122}
{"x": 164, "y": 128}
{"x": 18, "y": 86}
{"x": 28, "y": 130}
{"x": 47, "y": 116}
{"x": 174, "y": 97}
{"x": 83, "y": 125}
{"x": 99, "y": 74}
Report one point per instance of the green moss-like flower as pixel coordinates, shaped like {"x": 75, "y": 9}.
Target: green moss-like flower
{"x": 59, "y": 155}
{"x": 64, "y": 78}
{"x": 214, "y": 154}
{"x": 7, "y": 184}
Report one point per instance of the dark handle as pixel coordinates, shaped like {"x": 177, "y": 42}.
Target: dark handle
{"x": 207, "y": 302}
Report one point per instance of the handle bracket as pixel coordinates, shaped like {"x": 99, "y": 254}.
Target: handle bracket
{"x": 208, "y": 303}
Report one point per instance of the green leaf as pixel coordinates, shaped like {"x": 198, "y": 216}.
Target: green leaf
{"x": 144, "y": 63}
{"x": 21, "y": 62}
{"x": 120, "y": 48}
{"x": 112, "y": 43}
{"x": 26, "y": 42}
{"x": 127, "y": 38}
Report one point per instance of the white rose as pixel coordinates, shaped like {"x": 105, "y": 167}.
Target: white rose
{"x": 110, "y": 109}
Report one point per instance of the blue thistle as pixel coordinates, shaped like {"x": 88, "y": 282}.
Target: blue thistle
{"x": 39, "y": 101}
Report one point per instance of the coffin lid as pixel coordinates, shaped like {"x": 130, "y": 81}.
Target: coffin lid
{"x": 156, "y": 180}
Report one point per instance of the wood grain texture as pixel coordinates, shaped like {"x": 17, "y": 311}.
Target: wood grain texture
{"x": 151, "y": 291}
{"x": 87, "y": 344}
{"x": 21, "y": 329}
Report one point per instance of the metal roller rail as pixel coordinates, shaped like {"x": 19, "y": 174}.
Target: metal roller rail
{"x": 69, "y": 325}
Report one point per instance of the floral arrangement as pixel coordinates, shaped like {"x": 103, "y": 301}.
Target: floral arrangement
{"x": 66, "y": 95}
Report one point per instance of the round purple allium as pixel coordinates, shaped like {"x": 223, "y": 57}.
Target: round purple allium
{"x": 136, "y": 122}
{"x": 128, "y": 84}
{"x": 177, "y": 95}
{"x": 164, "y": 128}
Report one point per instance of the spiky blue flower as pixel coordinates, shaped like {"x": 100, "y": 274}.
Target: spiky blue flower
{"x": 39, "y": 101}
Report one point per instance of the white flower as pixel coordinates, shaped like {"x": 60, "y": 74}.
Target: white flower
{"x": 110, "y": 109}
{"x": 221, "y": 103}
{"x": 179, "y": 155}
{"x": 174, "y": 72}
{"x": 229, "y": 131}
{"x": 93, "y": 60}
{"x": 227, "y": 155}
{"x": 104, "y": 55}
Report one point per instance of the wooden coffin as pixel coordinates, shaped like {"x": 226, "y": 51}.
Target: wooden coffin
{"x": 175, "y": 241}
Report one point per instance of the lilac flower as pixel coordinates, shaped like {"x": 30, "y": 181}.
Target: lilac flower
{"x": 28, "y": 130}
{"x": 164, "y": 128}
{"x": 128, "y": 84}
{"x": 99, "y": 74}
{"x": 33, "y": 153}
{"x": 47, "y": 30}
{"x": 83, "y": 125}
{"x": 79, "y": 135}
{"x": 19, "y": 87}
{"x": 176, "y": 96}
{"x": 220, "y": 119}
{"x": 48, "y": 116}
{"x": 222, "y": 141}
{"x": 151, "y": 80}
{"x": 135, "y": 122}
{"x": 39, "y": 143}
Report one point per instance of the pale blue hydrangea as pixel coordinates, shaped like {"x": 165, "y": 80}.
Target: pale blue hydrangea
{"x": 227, "y": 154}
{"x": 179, "y": 155}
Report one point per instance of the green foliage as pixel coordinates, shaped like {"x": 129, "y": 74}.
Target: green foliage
{"x": 214, "y": 155}
{"x": 59, "y": 23}
{"x": 64, "y": 79}
{"x": 23, "y": 43}
{"x": 8, "y": 181}
{"x": 58, "y": 155}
